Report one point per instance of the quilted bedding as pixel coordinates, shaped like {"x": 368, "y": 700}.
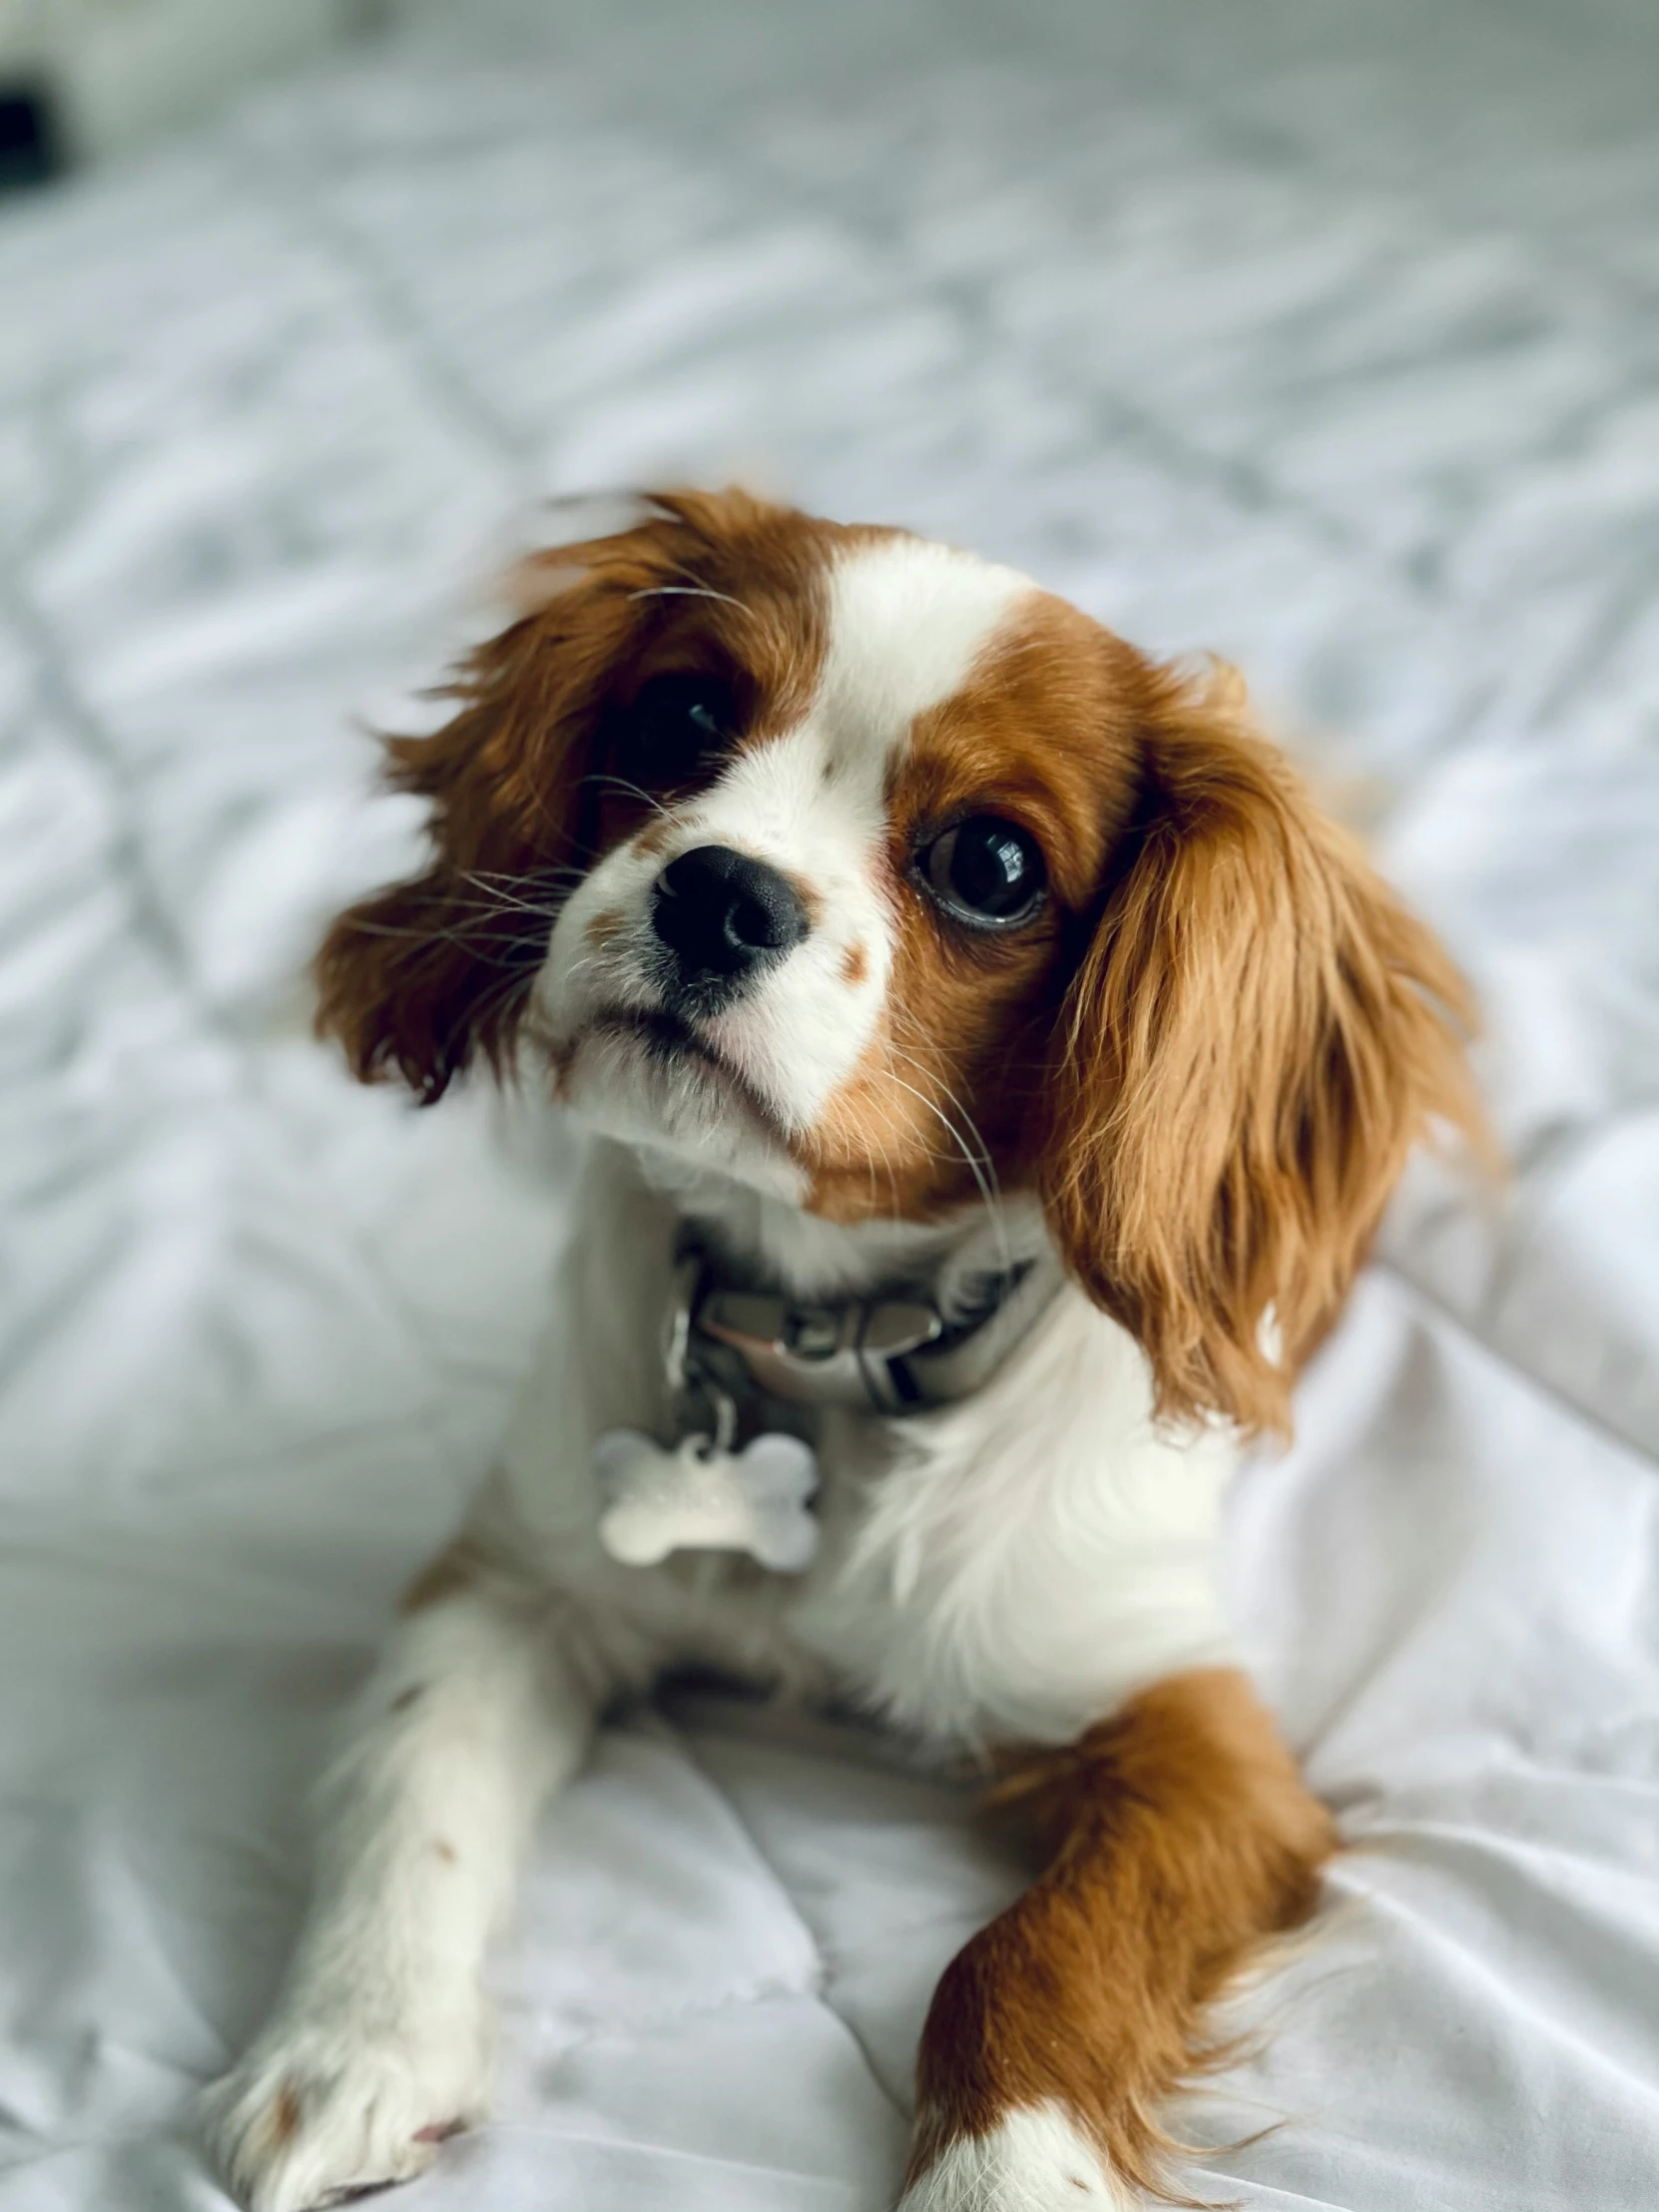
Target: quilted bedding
{"x": 1320, "y": 334}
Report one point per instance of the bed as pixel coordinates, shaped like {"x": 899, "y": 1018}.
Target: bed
{"x": 1320, "y": 335}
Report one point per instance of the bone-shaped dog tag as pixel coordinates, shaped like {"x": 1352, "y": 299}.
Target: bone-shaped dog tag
{"x": 698, "y": 1499}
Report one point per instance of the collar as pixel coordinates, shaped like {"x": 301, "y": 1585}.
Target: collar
{"x": 731, "y": 1344}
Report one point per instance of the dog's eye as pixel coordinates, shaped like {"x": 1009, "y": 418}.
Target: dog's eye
{"x": 985, "y": 871}
{"x": 673, "y": 725}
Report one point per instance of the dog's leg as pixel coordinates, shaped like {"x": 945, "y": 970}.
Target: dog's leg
{"x": 1183, "y": 1836}
{"x": 377, "y": 2047}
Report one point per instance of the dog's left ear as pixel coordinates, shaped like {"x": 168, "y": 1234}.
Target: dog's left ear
{"x": 1255, "y": 1036}
{"x": 430, "y": 974}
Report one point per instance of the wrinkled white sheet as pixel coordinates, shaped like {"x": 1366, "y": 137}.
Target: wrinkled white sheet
{"x": 1319, "y": 333}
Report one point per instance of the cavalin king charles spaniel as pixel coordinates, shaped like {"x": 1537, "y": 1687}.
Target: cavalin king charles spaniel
{"x": 996, "y": 1066}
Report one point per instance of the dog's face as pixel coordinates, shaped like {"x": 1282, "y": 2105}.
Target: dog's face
{"x": 848, "y": 818}
{"x": 862, "y": 871}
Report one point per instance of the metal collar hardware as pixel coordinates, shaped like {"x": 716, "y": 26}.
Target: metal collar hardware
{"x": 727, "y": 1347}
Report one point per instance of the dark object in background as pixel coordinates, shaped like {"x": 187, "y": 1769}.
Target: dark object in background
{"x": 31, "y": 145}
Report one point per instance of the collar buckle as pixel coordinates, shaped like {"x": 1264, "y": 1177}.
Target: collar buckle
{"x": 814, "y": 1352}
{"x": 726, "y": 1344}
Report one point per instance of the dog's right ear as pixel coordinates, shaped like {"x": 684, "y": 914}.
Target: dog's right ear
{"x": 422, "y": 978}
{"x": 1254, "y": 1039}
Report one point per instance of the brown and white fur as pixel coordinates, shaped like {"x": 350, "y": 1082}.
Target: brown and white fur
{"x": 1180, "y": 1087}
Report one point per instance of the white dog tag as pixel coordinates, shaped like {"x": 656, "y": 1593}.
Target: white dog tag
{"x": 698, "y": 1499}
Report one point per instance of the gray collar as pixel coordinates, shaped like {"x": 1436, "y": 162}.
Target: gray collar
{"x": 731, "y": 1347}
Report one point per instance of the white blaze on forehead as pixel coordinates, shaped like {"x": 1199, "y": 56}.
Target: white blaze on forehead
{"x": 908, "y": 620}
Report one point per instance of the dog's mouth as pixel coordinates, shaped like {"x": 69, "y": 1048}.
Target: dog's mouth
{"x": 672, "y": 1047}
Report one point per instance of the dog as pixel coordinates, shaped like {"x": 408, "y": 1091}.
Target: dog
{"x": 996, "y": 1066}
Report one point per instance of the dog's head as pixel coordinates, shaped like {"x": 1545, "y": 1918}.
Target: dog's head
{"x": 862, "y": 870}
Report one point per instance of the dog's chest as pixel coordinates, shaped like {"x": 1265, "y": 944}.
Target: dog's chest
{"x": 1003, "y": 1566}
{"x": 977, "y": 1579}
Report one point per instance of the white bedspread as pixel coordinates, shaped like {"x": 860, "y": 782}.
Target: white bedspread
{"x": 1324, "y": 334}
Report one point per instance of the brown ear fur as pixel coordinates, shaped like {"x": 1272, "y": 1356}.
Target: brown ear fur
{"x": 423, "y": 976}
{"x": 417, "y": 978}
{"x": 1254, "y": 1039}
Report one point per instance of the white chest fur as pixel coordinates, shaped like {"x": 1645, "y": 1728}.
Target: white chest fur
{"x": 1027, "y": 1557}
{"x": 1008, "y": 1567}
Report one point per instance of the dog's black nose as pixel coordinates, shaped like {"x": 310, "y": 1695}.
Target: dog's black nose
{"x": 723, "y": 915}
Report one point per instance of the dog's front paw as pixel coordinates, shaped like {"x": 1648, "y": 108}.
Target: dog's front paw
{"x": 1033, "y": 2160}
{"x": 321, "y": 2108}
